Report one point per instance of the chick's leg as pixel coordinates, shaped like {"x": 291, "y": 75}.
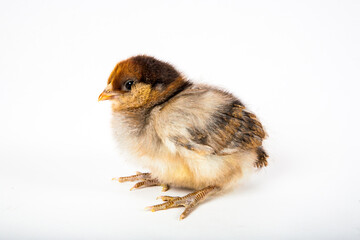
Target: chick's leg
{"x": 145, "y": 181}
{"x": 189, "y": 201}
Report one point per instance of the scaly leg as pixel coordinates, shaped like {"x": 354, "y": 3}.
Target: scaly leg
{"x": 189, "y": 201}
{"x": 145, "y": 181}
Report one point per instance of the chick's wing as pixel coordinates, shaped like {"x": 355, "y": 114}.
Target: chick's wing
{"x": 210, "y": 121}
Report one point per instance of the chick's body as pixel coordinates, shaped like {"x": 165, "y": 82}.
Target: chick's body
{"x": 188, "y": 135}
{"x": 168, "y": 145}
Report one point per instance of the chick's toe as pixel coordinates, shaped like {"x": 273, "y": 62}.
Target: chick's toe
{"x": 145, "y": 181}
{"x": 137, "y": 177}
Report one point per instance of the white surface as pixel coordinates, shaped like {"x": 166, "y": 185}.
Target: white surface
{"x": 294, "y": 63}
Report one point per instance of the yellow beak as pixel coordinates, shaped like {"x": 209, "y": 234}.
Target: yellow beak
{"x": 105, "y": 95}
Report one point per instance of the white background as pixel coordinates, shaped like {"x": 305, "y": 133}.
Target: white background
{"x": 294, "y": 63}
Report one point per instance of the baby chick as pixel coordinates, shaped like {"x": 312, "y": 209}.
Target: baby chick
{"x": 188, "y": 135}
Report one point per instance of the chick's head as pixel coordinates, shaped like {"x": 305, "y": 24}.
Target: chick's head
{"x": 141, "y": 82}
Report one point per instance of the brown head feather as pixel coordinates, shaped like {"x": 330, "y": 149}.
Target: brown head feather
{"x": 154, "y": 82}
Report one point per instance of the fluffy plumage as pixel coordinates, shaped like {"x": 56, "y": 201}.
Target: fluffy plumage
{"x": 187, "y": 135}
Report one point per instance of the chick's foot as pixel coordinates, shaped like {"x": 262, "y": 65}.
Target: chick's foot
{"x": 189, "y": 201}
{"x": 145, "y": 181}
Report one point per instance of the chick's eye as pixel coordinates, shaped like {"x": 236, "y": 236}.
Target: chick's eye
{"x": 128, "y": 84}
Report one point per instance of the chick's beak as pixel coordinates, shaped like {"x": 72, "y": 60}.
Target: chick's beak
{"x": 105, "y": 95}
